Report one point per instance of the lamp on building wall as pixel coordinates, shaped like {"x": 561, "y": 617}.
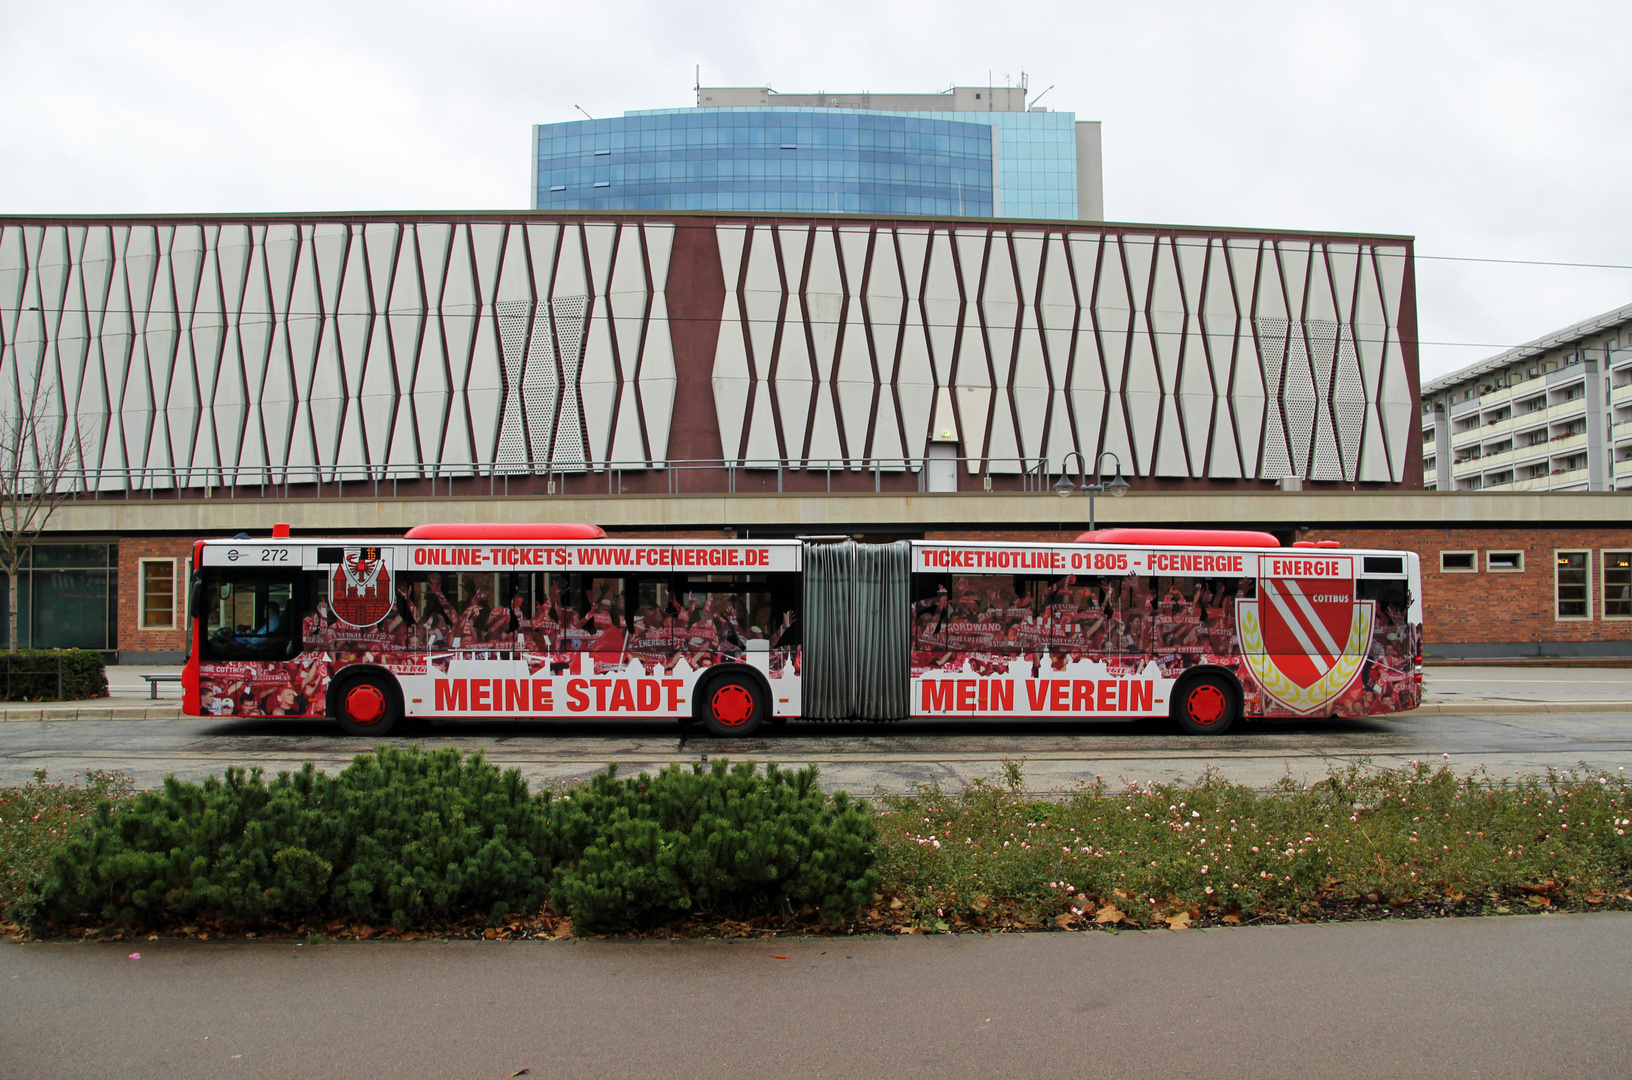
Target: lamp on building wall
{"x": 1117, "y": 486}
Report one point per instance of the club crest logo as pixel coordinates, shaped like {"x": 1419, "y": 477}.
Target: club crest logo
{"x": 1306, "y": 635}
{"x": 361, "y": 589}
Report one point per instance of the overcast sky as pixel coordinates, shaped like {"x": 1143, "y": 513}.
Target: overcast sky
{"x": 1486, "y": 130}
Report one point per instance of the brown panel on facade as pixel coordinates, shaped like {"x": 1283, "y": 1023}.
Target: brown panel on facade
{"x": 1408, "y": 346}
{"x": 696, "y": 300}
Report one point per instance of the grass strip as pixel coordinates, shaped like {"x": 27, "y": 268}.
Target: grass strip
{"x": 1364, "y": 842}
{"x": 36, "y": 818}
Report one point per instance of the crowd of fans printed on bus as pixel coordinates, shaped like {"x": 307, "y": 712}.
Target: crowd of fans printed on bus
{"x": 989, "y": 625}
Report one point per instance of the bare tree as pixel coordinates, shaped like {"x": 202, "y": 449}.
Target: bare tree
{"x": 41, "y": 461}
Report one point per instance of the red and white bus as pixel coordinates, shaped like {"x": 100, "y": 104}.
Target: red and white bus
{"x": 561, "y": 621}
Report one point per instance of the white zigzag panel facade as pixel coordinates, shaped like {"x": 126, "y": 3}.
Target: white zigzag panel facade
{"x": 1190, "y": 357}
{"x": 200, "y": 352}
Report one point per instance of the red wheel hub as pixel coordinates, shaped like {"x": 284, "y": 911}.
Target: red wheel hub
{"x": 732, "y": 705}
{"x": 1206, "y": 704}
{"x": 365, "y": 704}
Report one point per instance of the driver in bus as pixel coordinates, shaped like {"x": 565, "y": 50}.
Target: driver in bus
{"x": 274, "y": 620}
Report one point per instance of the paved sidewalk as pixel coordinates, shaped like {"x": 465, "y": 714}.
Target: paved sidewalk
{"x": 1457, "y": 691}
{"x": 1495, "y": 998}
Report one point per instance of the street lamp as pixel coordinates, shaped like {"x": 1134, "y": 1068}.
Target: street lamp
{"x": 1117, "y": 486}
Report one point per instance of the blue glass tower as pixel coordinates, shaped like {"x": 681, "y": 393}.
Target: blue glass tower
{"x": 825, "y": 155}
{"x": 794, "y": 161}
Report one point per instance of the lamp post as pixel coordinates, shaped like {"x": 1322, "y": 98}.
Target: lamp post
{"x": 1117, "y": 486}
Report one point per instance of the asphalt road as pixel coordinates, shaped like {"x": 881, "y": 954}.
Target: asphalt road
{"x": 1521, "y": 997}
{"x": 863, "y": 758}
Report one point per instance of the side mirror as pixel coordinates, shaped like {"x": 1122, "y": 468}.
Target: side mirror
{"x": 195, "y": 595}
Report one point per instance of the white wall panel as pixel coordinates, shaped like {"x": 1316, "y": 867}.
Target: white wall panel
{"x": 1165, "y": 314}
{"x": 1056, "y": 320}
{"x": 884, "y": 310}
{"x": 1031, "y": 380}
{"x": 731, "y": 373}
{"x": 1114, "y": 319}
{"x": 854, "y": 383}
{"x": 1194, "y": 393}
{"x": 971, "y": 366}
{"x": 915, "y": 379}
{"x": 657, "y": 378}
{"x": 812, "y": 304}
{"x": 432, "y": 386}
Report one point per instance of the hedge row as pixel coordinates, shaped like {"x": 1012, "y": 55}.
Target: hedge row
{"x": 33, "y": 675}
{"x": 407, "y": 837}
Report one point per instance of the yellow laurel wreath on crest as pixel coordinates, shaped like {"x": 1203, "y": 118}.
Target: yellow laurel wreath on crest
{"x": 1329, "y": 685}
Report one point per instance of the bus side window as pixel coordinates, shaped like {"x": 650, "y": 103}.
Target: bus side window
{"x": 1390, "y": 594}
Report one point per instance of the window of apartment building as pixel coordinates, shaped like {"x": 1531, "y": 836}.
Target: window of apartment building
{"x": 1458, "y": 562}
{"x": 1617, "y": 584}
{"x": 1504, "y": 562}
{"x": 157, "y": 581}
{"x": 1572, "y": 585}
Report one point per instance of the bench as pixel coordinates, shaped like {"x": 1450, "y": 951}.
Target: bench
{"x": 153, "y": 682}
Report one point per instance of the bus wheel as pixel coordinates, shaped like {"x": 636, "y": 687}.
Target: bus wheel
{"x": 366, "y": 706}
{"x": 733, "y": 705}
{"x": 1205, "y": 705}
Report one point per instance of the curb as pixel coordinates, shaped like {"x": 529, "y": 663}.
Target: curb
{"x": 1517, "y": 708}
{"x": 91, "y": 712}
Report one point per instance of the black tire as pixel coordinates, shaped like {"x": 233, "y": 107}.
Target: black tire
{"x": 1205, "y": 705}
{"x": 367, "y": 705}
{"x": 733, "y": 706}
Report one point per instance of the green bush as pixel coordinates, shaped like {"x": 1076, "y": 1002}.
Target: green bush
{"x": 399, "y": 835}
{"x": 34, "y": 675}
{"x": 409, "y": 837}
{"x": 719, "y": 842}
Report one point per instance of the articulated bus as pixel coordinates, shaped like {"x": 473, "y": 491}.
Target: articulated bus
{"x": 560, "y": 621}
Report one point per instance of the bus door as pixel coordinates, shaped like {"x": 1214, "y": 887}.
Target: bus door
{"x": 1387, "y": 680}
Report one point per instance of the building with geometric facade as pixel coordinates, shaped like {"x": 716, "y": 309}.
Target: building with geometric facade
{"x": 967, "y": 152}
{"x": 1551, "y": 415}
{"x": 206, "y": 353}
{"x": 765, "y": 375}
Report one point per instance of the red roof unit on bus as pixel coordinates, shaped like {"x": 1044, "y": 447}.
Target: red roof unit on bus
{"x": 543, "y": 530}
{"x": 1212, "y": 538}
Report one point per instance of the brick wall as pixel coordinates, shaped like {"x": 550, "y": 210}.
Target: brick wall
{"x": 1501, "y": 606}
{"x": 132, "y": 637}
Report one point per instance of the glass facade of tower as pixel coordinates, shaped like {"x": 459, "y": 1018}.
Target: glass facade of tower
{"x": 773, "y": 160}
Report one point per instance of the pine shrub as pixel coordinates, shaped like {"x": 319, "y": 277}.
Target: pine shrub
{"x": 409, "y": 837}
{"x": 719, "y": 842}
{"x": 399, "y": 835}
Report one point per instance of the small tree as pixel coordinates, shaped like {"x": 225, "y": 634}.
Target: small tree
{"x": 40, "y": 461}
